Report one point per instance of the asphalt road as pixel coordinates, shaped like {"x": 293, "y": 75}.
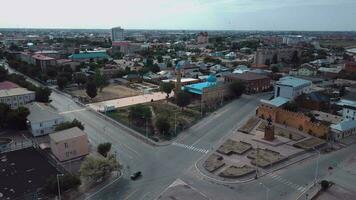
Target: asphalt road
{"x": 162, "y": 165}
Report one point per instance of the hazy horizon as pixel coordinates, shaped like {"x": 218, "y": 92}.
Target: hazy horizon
{"x": 235, "y": 15}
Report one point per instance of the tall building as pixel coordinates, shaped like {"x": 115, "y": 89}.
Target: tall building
{"x": 117, "y": 34}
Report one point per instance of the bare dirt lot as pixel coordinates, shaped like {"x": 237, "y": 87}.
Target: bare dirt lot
{"x": 112, "y": 91}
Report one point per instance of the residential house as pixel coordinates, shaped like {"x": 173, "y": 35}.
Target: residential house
{"x": 42, "y": 119}
{"x": 86, "y": 56}
{"x": 343, "y": 129}
{"x": 69, "y": 144}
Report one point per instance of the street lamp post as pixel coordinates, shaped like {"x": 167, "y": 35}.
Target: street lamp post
{"x": 267, "y": 190}
{"x": 59, "y": 188}
{"x": 317, "y": 166}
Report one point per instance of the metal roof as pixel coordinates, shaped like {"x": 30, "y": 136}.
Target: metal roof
{"x": 344, "y": 125}
{"x": 293, "y": 82}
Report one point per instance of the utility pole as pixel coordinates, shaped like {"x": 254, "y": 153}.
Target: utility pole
{"x": 256, "y": 162}
{"x": 59, "y": 188}
{"x": 146, "y": 129}
{"x": 175, "y": 123}
{"x": 317, "y": 167}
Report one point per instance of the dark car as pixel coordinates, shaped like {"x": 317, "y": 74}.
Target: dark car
{"x": 135, "y": 175}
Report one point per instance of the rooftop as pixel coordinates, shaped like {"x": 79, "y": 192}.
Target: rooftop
{"x": 15, "y": 92}
{"x": 66, "y": 134}
{"x": 277, "y": 102}
{"x": 89, "y": 55}
{"x": 39, "y": 112}
{"x": 5, "y": 85}
{"x": 347, "y": 103}
{"x": 197, "y": 88}
{"x": 293, "y": 82}
{"x": 248, "y": 76}
{"x": 344, "y": 125}
{"x": 42, "y": 57}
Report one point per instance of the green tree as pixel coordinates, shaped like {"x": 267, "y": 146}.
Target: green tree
{"x": 166, "y": 88}
{"x": 42, "y": 94}
{"x": 62, "y": 82}
{"x": 80, "y": 79}
{"x": 91, "y": 89}
{"x": 4, "y": 110}
{"x": 275, "y": 59}
{"x": 104, "y": 148}
{"x": 159, "y": 59}
{"x": 325, "y": 184}
{"x": 98, "y": 168}
{"x": 67, "y": 125}
{"x": 100, "y": 80}
{"x": 140, "y": 113}
{"x": 163, "y": 125}
{"x": 237, "y": 88}
{"x": 275, "y": 69}
{"x": 66, "y": 182}
{"x": 291, "y": 106}
{"x": 3, "y": 74}
{"x": 16, "y": 119}
{"x": 182, "y": 99}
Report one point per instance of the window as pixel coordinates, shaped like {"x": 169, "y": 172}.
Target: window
{"x": 65, "y": 145}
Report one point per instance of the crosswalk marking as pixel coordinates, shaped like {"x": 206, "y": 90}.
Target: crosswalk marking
{"x": 286, "y": 182}
{"x": 71, "y": 111}
{"x": 190, "y": 147}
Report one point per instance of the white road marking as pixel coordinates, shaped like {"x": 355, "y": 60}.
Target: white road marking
{"x": 71, "y": 111}
{"x": 286, "y": 182}
{"x": 192, "y": 148}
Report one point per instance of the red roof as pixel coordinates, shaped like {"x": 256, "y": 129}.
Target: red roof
{"x": 120, "y": 43}
{"x": 6, "y": 85}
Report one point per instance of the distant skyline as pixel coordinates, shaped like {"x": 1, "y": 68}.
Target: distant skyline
{"x": 299, "y": 15}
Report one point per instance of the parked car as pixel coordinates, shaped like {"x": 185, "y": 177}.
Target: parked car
{"x": 136, "y": 175}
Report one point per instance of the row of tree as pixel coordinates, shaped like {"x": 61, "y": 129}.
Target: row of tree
{"x": 13, "y": 118}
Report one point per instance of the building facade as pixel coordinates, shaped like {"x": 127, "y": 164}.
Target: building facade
{"x": 290, "y": 87}
{"x": 16, "y": 97}
{"x": 69, "y": 144}
{"x": 42, "y": 120}
{"x": 254, "y": 82}
{"x": 266, "y": 55}
{"x": 117, "y": 34}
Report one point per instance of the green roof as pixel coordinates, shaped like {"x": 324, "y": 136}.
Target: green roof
{"x": 89, "y": 55}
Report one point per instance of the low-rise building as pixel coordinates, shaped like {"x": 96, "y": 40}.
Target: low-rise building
{"x": 290, "y": 87}
{"x": 86, "y": 56}
{"x": 254, "y": 82}
{"x": 69, "y": 144}
{"x": 348, "y": 108}
{"x": 15, "y": 97}
{"x": 42, "y": 119}
{"x": 43, "y": 61}
{"x": 343, "y": 129}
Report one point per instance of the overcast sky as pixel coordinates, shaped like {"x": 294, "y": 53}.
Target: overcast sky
{"x": 338, "y": 15}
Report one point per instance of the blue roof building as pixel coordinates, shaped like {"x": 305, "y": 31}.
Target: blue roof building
{"x": 343, "y": 129}
{"x": 290, "y": 87}
{"x": 198, "y": 88}
{"x": 88, "y": 55}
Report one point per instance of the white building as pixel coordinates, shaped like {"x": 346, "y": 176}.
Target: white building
{"x": 42, "y": 120}
{"x": 343, "y": 129}
{"x": 348, "y": 108}
{"x": 290, "y": 87}
{"x": 16, "y": 97}
{"x": 117, "y": 34}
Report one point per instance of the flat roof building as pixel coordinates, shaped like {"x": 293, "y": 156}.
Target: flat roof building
{"x": 15, "y": 97}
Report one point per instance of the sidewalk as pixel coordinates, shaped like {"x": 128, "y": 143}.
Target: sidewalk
{"x": 123, "y": 102}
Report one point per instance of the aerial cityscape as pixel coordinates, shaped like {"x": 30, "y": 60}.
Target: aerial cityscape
{"x": 178, "y": 100}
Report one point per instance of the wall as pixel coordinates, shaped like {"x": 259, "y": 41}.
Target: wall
{"x": 76, "y": 147}
{"x": 46, "y": 126}
{"x": 292, "y": 119}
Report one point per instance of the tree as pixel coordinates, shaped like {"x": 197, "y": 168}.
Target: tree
{"x": 166, "y": 88}
{"x": 96, "y": 169}
{"x": 325, "y": 184}
{"x": 66, "y": 182}
{"x": 163, "y": 125}
{"x": 237, "y": 88}
{"x": 104, "y": 148}
{"x": 16, "y": 119}
{"x": 295, "y": 58}
{"x": 42, "y": 94}
{"x": 159, "y": 59}
{"x": 91, "y": 89}
{"x": 67, "y": 125}
{"x": 4, "y": 110}
{"x": 80, "y": 79}
{"x": 3, "y": 74}
{"x": 100, "y": 80}
{"x": 275, "y": 59}
{"x": 140, "y": 113}
{"x": 182, "y": 99}
{"x": 275, "y": 69}
{"x": 62, "y": 82}
{"x": 291, "y": 106}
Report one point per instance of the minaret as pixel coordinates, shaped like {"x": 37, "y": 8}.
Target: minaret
{"x": 178, "y": 87}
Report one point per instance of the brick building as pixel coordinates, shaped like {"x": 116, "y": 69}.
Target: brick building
{"x": 254, "y": 82}
{"x": 350, "y": 67}
{"x": 293, "y": 119}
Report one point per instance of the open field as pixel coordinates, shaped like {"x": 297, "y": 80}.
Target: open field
{"x": 112, "y": 91}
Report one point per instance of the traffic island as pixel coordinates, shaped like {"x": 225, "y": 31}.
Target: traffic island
{"x": 233, "y": 147}
{"x": 213, "y": 163}
{"x": 236, "y": 172}
{"x": 265, "y": 157}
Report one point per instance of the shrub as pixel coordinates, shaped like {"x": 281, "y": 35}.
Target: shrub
{"x": 104, "y": 148}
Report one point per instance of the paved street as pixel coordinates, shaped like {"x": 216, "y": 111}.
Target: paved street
{"x": 163, "y": 165}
